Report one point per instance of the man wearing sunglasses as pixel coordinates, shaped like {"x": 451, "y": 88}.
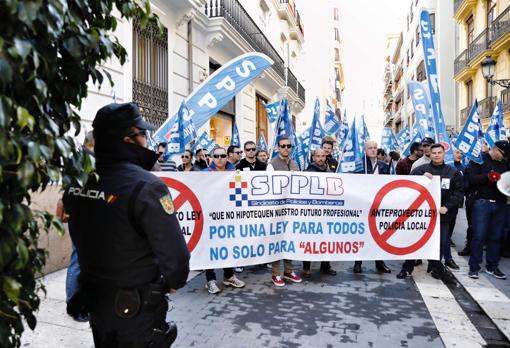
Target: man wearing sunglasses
{"x": 164, "y": 162}
{"x": 220, "y": 164}
{"x": 234, "y": 154}
{"x": 285, "y": 163}
{"x": 250, "y": 161}
{"x": 129, "y": 242}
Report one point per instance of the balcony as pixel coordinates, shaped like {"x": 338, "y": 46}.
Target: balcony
{"x": 388, "y": 119}
{"x": 475, "y": 51}
{"x": 464, "y": 113}
{"x": 486, "y": 107}
{"x": 232, "y": 12}
{"x": 287, "y": 10}
{"x": 505, "y": 99}
{"x": 301, "y": 93}
{"x": 500, "y": 27}
{"x": 388, "y": 103}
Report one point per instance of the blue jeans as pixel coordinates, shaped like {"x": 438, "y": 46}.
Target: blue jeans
{"x": 488, "y": 224}
{"x": 73, "y": 271}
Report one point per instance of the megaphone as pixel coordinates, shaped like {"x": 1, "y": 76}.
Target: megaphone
{"x": 503, "y": 184}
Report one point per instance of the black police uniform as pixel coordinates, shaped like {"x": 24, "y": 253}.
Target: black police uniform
{"x": 129, "y": 242}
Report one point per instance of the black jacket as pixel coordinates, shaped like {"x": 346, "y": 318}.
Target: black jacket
{"x": 123, "y": 225}
{"x": 452, "y": 187}
{"x": 257, "y": 165}
{"x": 478, "y": 180}
{"x": 381, "y": 166}
{"x": 314, "y": 168}
{"x": 331, "y": 163}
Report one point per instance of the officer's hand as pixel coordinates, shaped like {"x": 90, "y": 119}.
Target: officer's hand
{"x": 428, "y": 175}
{"x": 443, "y": 210}
{"x": 171, "y": 291}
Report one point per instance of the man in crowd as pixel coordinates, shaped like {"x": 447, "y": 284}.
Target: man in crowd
{"x": 234, "y": 154}
{"x": 405, "y": 164}
{"x": 165, "y": 165}
{"x": 376, "y": 167}
{"x": 457, "y": 164}
{"x": 262, "y": 156}
{"x": 129, "y": 242}
{"x": 488, "y": 209}
{"x": 221, "y": 164}
{"x": 200, "y": 160}
{"x": 327, "y": 145}
{"x": 425, "y": 159}
{"x": 381, "y": 155}
{"x": 285, "y": 163}
{"x": 250, "y": 161}
{"x": 451, "y": 195}
{"x": 318, "y": 165}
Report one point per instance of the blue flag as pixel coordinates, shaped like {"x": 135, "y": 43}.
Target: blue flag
{"x": 496, "y": 129}
{"x": 362, "y": 132}
{"x": 421, "y": 105}
{"x": 272, "y": 111}
{"x": 219, "y": 88}
{"x": 316, "y": 131}
{"x": 262, "y": 144}
{"x": 151, "y": 144}
{"x": 204, "y": 142}
{"x": 284, "y": 127}
{"x": 352, "y": 159}
{"x": 403, "y": 138}
{"x": 468, "y": 141}
{"x": 388, "y": 140}
{"x": 429, "y": 53}
{"x": 236, "y": 141}
{"x": 301, "y": 152}
{"x": 417, "y": 138}
{"x": 344, "y": 131}
{"x": 331, "y": 124}
{"x": 181, "y": 134}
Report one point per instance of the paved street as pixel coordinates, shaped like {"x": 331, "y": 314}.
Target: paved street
{"x": 367, "y": 310}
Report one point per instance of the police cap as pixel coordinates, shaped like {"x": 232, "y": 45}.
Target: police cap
{"x": 120, "y": 116}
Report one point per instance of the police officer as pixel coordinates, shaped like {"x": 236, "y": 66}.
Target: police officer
{"x": 128, "y": 239}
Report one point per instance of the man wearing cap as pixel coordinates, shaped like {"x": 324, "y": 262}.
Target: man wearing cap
{"x": 488, "y": 212}
{"x": 129, "y": 242}
{"x": 425, "y": 159}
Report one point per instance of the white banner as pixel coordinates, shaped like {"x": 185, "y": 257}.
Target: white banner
{"x": 234, "y": 219}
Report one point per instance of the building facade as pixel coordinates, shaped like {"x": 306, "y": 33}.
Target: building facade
{"x": 483, "y": 29}
{"x": 200, "y": 36}
{"x": 406, "y": 63}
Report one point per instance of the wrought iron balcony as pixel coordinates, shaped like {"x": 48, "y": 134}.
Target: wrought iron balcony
{"x": 501, "y": 25}
{"x": 301, "y": 93}
{"x": 464, "y": 114}
{"x": 475, "y": 49}
{"x": 234, "y": 13}
{"x": 460, "y": 62}
{"x": 505, "y": 99}
{"x": 486, "y": 107}
{"x": 456, "y": 5}
{"x": 388, "y": 119}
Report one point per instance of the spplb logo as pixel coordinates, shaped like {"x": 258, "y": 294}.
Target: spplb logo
{"x": 238, "y": 191}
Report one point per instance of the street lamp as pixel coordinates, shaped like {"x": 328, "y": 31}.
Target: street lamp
{"x": 488, "y": 68}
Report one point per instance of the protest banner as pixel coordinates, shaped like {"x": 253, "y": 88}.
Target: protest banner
{"x": 232, "y": 219}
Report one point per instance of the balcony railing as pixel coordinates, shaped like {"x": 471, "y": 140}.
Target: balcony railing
{"x": 295, "y": 13}
{"x": 388, "y": 118}
{"x": 486, "y": 107}
{"x": 301, "y": 93}
{"x": 501, "y": 25}
{"x": 496, "y": 30}
{"x": 505, "y": 99}
{"x": 234, "y": 13}
{"x": 292, "y": 81}
{"x": 464, "y": 114}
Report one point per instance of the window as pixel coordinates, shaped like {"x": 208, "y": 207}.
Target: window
{"x": 411, "y": 14}
{"x": 421, "y": 74}
{"x": 412, "y": 49}
{"x": 150, "y": 72}
{"x": 336, "y": 15}
{"x": 469, "y": 91}
{"x": 222, "y": 123}
{"x": 261, "y": 116}
{"x": 417, "y": 35}
{"x": 337, "y": 35}
{"x": 407, "y": 22}
{"x": 470, "y": 30}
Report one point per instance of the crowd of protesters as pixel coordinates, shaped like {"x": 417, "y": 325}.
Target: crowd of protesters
{"x": 472, "y": 186}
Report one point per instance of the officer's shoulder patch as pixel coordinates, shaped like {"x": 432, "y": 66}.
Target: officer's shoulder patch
{"x": 167, "y": 204}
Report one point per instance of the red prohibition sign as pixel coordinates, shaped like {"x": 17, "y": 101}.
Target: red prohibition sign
{"x": 382, "y": 238}
{"x": 185, "y": 195}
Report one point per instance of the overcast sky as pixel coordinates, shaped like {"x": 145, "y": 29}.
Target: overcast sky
{"x": 364, "y": 27}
